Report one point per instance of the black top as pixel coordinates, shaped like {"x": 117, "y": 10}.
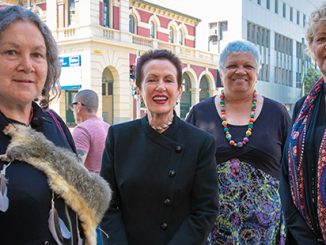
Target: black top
{"x": 164, "y": 185}
{"x": 26, "y": 220}
{"x": 264, "y": 149}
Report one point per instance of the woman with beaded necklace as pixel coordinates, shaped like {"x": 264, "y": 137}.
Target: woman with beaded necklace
{"x": 161, "y": 169}
{"x": 250, "y": 131}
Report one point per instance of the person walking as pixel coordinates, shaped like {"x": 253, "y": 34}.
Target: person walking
{"x": 90, "y": 133}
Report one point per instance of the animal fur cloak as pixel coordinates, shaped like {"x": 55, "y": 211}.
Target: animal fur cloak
{"x": 86, "y": 193}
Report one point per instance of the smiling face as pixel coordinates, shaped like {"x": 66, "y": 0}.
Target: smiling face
{"x": 318, "y": 48}
{"x": 239, "y": 74}
{"x": 159, "y": 88}
{"x": 23, "y": 63}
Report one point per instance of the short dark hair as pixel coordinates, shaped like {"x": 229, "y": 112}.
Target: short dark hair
{"x": 88, "y": 98}
{"x": 15, "y": 13}
{"x": 157, "y": 54}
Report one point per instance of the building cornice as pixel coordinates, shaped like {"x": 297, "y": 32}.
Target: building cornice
{"x": 160, "y": 10}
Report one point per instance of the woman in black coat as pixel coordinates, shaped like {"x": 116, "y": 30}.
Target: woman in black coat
{"x": 46, "y": 195}
{"x": 303, "y": 181}
{"x": 161, "y": 169}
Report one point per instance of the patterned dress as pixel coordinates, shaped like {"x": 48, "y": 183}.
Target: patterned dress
{"x": 248, "y": 177}
{"x": 250, "y": 206}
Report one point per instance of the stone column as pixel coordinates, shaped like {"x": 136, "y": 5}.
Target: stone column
{"x": 194, "y": 95}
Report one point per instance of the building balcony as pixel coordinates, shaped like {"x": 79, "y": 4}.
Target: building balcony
{"x": 104, "y": 34}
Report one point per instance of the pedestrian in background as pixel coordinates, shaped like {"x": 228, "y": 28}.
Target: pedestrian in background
{"x": 303, "y": 183}
{"x": 90, "y": 133}
{"x": 250, "y": 132}
{"x": 162, "y": 170}
{"x": 46, "y": 196}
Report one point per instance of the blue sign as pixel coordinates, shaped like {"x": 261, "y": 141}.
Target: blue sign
{"x": 69, "y": 61}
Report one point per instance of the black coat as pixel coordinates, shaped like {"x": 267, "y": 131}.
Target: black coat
{"x": 26, "y": 220}
{"x": 165, "y": 188}
{"x": 298, "y": 231}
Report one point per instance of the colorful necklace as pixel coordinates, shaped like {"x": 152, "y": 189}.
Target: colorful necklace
{"x": 228, "y": 136}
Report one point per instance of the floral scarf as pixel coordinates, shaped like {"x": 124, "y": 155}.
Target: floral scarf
{"x": 297, "y": 163}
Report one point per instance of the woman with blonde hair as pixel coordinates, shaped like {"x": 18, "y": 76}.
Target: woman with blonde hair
{"x": 303, "y": 182}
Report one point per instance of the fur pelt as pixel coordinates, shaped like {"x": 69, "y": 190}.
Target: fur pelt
{"x": 86, "y": 193}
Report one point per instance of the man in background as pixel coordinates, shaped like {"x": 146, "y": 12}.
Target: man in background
{"x": 90, "y": 133}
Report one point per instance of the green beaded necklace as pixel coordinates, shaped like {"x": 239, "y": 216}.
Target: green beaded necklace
{"x": 228, "y": 136}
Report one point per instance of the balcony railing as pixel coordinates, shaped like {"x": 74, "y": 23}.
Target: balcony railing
{"x": 141, "y": 43}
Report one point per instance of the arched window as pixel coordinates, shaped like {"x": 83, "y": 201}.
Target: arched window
{"x": 185, "y": 100}
{"x": 107, "y": 96}
{"x": 171, "y": 35}
{"x": 181, "y": 38}
{"x": 152, "y": 29}
{"x": 132, "y": 24}
{"x": 204, "y": 89}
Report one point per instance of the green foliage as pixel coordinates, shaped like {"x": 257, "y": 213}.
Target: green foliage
{"x": 310, "y": 79}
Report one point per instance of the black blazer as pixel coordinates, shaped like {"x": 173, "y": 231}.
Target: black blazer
{"x": 165, "y": 187}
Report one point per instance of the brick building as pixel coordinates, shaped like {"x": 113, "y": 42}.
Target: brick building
{"x": 99, "y": 42}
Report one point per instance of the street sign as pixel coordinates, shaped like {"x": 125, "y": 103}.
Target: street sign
{"x": 69, "y": 61}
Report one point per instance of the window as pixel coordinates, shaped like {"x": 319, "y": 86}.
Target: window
{"x": 107, "y": 87}
{"x": 223, "y": 27}
{"x": 259, "y": 2}
{"x": 104, "y": 88}
{"x": 132, "y": 24}
{"x": 261, "y": 37}
{"x": 106, "y": 13}
{"x": 268, "y": 4}
{"x": 213, "y": 25}
{"x": 299, "y": 53}
{"x": 181, "y": 37}
{"x": 304, "y": 20}
{"x": 152, "y": 29}
{"x": 291, "y": 14}
{"x": 171, "y": 35}
{"x": 276, "y": 6}
{"x": 71, "y": 12}
{"x": 283, "y": 60}
{"x": 110, "y": 88}
{"x": 298, "y": 17}
{"x": 284, "y": 10}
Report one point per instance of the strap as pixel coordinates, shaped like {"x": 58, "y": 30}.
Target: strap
{"x": 57, "y": 123}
